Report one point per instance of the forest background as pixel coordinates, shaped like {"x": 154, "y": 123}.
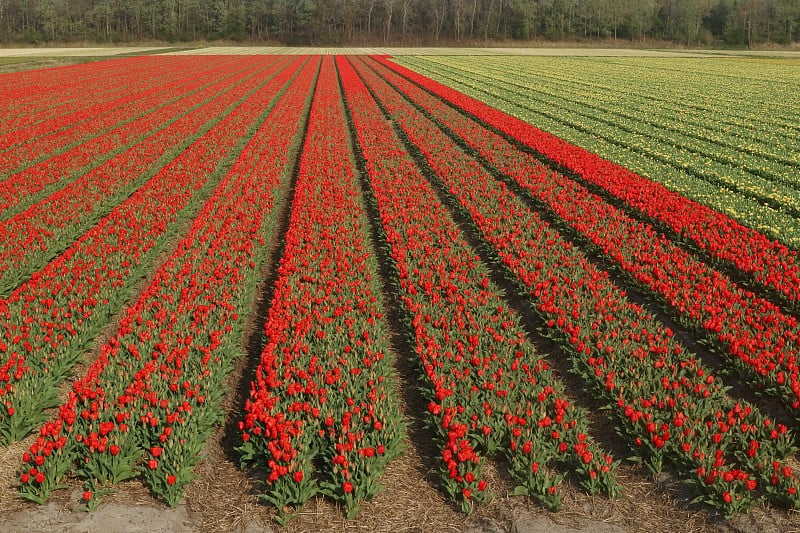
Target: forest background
{"x": 710, "y": 23}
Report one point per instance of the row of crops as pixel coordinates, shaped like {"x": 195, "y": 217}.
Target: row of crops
{"x": 724, "y": 134}
{"x": 149, "y": 211}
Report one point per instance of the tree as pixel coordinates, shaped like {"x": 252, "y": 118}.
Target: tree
{"x": 785, "y": 20}
{"x": 639, "y": 18}
{"x": 393, "y": 21}
{"x": 689, "y": 15}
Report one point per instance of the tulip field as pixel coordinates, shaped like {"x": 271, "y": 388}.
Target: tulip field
{"x": 267, "y": 243}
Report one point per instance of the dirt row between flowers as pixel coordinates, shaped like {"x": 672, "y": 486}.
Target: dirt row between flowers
{"x": 603, "y": 431}
{"x": 225, "y": 498}
{"x": 638, "y": 294}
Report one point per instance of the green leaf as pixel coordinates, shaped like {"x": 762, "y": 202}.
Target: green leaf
{"x": 520, "y": 490}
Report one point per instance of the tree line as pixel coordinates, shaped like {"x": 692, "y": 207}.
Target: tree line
{"x": 401, "y": 22}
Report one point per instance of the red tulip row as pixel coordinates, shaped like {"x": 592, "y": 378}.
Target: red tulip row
{"x": 768, "y": 262}
{"x": 33, "y": 237}
{"x": 665, "y": 402}
{"x": 49, "y": 320}
{"x": 323, "y": 415}
{"x": 65, "y": 110}
{"x": 490, "y": 391}
{"x": 30, "y": 94}
{"x": 24, "y": 188}
{"x": 761, "y": 339}
{"x": 149, "y": 401}
{"x": 100, "y": 112}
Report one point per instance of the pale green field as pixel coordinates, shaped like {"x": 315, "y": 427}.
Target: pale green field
{"x": 75, "y": 51}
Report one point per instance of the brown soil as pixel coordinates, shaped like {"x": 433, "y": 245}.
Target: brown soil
{"x": 223, "y": 499}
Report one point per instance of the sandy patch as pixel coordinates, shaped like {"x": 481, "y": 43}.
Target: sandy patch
{"x": 395, "y": 51}
{"x": 67, "y": 517}
{"x": 401, "y": 51}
